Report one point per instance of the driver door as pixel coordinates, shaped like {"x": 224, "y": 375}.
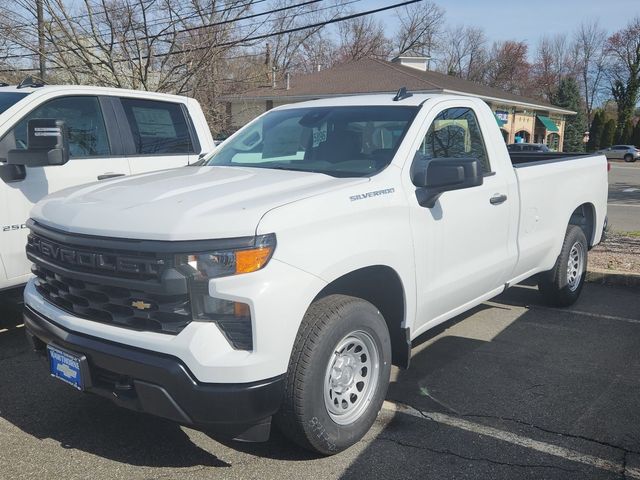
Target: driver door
{"x": 92, "y": 157}
{"x": 461, "y": 243}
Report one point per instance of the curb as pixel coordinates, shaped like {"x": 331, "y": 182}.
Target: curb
{"x": 613, "y": 277}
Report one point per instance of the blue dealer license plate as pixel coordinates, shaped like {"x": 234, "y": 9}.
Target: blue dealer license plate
{"x": 65, "y": 366}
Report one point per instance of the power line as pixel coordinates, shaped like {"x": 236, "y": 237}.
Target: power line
{"x": 263, "y": 36}
{"x": 158, "y": 21}
{"x": 209, "y": 25}
{"x": 296, "y": 29}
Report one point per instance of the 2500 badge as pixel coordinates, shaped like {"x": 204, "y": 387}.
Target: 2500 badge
{"x": 11, "y": 228}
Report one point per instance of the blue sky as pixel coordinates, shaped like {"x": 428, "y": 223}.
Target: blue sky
{"x": 527, "y": 20}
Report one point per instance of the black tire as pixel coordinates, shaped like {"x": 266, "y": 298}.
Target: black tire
{"x": 304, "y": 417}
{"x": 629, "y": 158}
{"x": 555, "y": 285}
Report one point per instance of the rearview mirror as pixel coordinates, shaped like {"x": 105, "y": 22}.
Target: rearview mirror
{"x": 435, "y": 176}
{"x": 47, "y": 144}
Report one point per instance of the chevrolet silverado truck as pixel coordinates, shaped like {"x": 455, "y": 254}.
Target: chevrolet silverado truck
{"x": 280, "y": 278}
{"x": 54, "y": 137}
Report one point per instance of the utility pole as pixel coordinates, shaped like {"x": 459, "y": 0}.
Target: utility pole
{"x": 41, "y": 54}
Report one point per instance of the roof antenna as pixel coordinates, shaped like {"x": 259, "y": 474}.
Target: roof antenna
{"x": 402, "y": 94}
{"x": 30, "y": 82}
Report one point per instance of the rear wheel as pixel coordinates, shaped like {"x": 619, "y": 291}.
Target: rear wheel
{"x": 338, "y": 375}
{"x": 561, "y": 286}
{"x": 629, "y": 158}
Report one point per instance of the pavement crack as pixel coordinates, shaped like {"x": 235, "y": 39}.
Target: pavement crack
{"x": 554, "y": 432}
{"x": 623, "y": 472}
{"x": 473, "y": 459}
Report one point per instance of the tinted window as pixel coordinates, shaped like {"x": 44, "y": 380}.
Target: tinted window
{"x": 83, "y": 117}
{"x": 455, "y": 133}
{"x": 8, "y": 100}
{"x": 339, "y": 141}
{"x": 158, "y": 127}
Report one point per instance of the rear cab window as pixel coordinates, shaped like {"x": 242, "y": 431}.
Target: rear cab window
{"x": 158, "y": 128}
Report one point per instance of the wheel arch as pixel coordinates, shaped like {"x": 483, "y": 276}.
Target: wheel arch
{"x": 584, "y": 216}
{"x": 382, "y": 286}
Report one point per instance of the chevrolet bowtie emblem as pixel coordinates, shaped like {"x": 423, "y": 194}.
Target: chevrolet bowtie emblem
{"x": 141, "y": 305}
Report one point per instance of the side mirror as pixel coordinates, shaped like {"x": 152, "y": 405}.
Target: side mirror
{"x": 47, "y": 144}
{"x": 435, "y": 176}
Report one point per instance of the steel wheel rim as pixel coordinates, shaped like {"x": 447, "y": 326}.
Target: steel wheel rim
{"x": 351, "y": 378}
{"x": 575, "y": 266}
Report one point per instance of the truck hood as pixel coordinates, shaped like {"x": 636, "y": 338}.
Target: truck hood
{"x": 187, "y": 203}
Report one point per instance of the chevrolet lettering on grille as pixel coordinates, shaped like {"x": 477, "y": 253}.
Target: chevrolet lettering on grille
{"x": 107, "y": 262}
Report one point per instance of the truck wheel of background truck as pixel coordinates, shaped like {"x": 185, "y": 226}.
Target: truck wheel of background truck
{"x": 338, "y": 375}
{"x": 562, "y": 284}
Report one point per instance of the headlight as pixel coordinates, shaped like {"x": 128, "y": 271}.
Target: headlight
{"x": 233, "y": 318}
{"x": 233, "y": 261}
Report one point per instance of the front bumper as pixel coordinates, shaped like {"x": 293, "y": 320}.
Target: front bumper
{"x": 162, "y": 385}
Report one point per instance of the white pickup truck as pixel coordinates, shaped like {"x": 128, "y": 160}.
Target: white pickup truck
{"x": 110, "y": 132}
{"x": 283, "y": 275}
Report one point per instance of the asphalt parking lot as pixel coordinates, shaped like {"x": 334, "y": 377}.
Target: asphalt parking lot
{"x": 510, "y": 390}
{"x": 624, "y": 197}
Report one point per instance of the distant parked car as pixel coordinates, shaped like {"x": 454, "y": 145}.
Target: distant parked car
{"x": 628, "y": 153}
{"x": 528, "y": 147}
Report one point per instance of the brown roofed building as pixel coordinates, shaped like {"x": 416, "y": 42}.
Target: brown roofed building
{"x": 520, "y": 118}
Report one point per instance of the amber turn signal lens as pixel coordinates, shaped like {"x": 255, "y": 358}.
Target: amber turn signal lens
{"x": 252, "y": 260}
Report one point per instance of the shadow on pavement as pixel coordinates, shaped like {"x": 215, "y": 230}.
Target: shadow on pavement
{"x": 551, "y": 375}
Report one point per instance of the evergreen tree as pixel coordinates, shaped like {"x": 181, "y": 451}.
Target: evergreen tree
{"x": 595, "y": 132}
{"x": 627, "y": 133}
{"x": 568, "y": 96}
{"x": 608, "y": 134}
{"x": 635, "y": 138}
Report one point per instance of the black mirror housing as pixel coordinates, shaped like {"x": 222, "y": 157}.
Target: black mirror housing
{"x": 48, "y": 144}
{"x": 435, "y": 176}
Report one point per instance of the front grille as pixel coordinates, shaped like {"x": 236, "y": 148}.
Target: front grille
{"x": 114, "y": 305}
{"x": 101, "y": 261}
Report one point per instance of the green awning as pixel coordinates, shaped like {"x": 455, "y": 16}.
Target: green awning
{"x": 548, "y": 123}
{"x": 501, "y": 123}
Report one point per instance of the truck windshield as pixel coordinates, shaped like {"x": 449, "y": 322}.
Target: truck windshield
{"x": 339, "y": 141}
{"x": 9, "y": 99}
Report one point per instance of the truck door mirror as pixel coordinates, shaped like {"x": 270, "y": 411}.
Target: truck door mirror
{"x": 11, "y": 173}
{"x": 435, "y": 176}
{"x": 47, "y": 144}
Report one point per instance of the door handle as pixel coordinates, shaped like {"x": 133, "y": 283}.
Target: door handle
{"x": 104, "y": 176}
{"x": 497, "y": 199}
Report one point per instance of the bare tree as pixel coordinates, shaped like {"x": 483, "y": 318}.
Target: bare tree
{"x": 589, "y": 43}
{"x": 508, "y": 67}
{"x": 420, "y": 25}
{"x": 288, "y": 50}
{"x": 465, "y": 54}
{"x": 362, "y": 37}
{"x": 555, "y": 60}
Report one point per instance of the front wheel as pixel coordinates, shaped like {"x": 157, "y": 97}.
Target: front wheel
{"x": 561, "y": 286}
{"x": 338, "y": 375}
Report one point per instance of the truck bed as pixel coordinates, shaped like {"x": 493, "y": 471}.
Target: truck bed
{"x": 525, "y": 158}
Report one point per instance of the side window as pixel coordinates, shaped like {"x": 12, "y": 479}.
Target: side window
{"x": 158, "y": 127}
{"x": 455, "y": 133}
{"x": 83, "y": 116}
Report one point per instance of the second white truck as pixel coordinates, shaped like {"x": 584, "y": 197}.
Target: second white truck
{"x": 109, "y": 132}
{"x": 282, "y": 276}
